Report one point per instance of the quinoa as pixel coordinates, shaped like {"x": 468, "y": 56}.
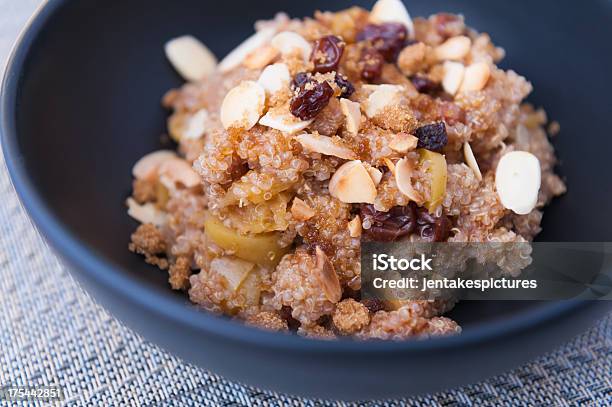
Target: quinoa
{"x": 255, "y": 223}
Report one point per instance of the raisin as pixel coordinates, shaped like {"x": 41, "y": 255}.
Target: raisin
{"x": 292, "y": 323}
{"x": 371, "y": 64}
{"x": 301, "y": 79}
{"x": 326, "y": 53}
{"x": 311, "y": 99}
{"x": 389, "y": 226}
{"x": 432, "y": 136}
{"x": 373, "y": 304}
{"x": 388, "y": 38}
{"x": 425, "y": 85}
{"x": 432, "y": 228}
{"x": 345, "y": 86}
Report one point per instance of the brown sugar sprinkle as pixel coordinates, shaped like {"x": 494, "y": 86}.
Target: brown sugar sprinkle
{"x": 179, "y": 272}
{"x": 270, "y": 321}
{"x": 316, "y": 332}
{"x": 350, "y": 316}
{"x": 270, "y": 187}
{"x": 148, "y": 241}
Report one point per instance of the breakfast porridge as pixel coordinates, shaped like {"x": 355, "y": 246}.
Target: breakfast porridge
{"x": 315, "y": 135}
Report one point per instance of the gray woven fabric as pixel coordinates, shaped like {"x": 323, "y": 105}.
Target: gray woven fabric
{"x": 52, "y": 333}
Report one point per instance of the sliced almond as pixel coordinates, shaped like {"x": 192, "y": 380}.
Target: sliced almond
{"x": 288, "y": 42}
{"x": 146, "y": 168}
{"x": 403, "y": 178}
{"x": 403, "y": 142}
{"x": 351, "y": 183}
{"x": 255, "y": 41}
{"x": 326, "y": 145}
{"x": 192, "y": 59}
{"x": 354, "y": 227}
{"x": 352, "y": 113}
{"x": 383, "y": 97}
{"x": 375, "y": 174}
{"x": 517, "y": 180}
{"x": 234, "y": 270}
{"x": 454, "y": 49}
{"x": 300, "y": 210}
{"x": 146, "y": 213}
{"x": 453, "y": 77}
{"x": 275, "y": 78}
{"x": 390, "y": 165}
{"x": 196, "y": 125}
{"x": 243, "y": 105}
{"x": 470, "y": 159}
{"x": 179, "y": 171}
{"x": 476, "y": 77}
{"x": 327, "y": 277}
{"x": 261, "y": 57}
{"x": 281, "y": 119}
{"x": 392, "y": 11}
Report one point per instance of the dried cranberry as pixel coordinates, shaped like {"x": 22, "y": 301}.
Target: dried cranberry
{"x": 311, "y": 99}
{"x": 371, "y": 64}
{"x": 432, "y": 136}
{"x": 345, "y": 86}
{"x": 389, "y": 226}
{"x": 388, "y": 38}
{"x": 326, "y": 53}
{"x": 432, "y": 228}
{"x": 425, "y": 85}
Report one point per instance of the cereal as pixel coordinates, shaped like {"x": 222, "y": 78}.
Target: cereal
{"x": 315, "y": 135}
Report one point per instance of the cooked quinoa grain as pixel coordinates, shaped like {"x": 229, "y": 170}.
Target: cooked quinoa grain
{"x": 389, "y": 132}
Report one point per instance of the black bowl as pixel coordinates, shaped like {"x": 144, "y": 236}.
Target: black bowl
{"x": 80, "y": 104}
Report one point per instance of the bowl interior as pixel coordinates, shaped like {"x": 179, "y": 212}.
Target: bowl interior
{"x": 89, "y": 105}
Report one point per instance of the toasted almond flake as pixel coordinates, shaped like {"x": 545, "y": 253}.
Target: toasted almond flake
{"x": 517, "y": 180}
{"x": 392, "y": 11}
{"x": 403, "y": 179}
{"x": 454, "y": 49}
{"x": 325, "y": 145}
{"x": 261, "y": 57}
{"x": 389, "y": 165}
{"x": 383, "y": 97}
{"x": 146, "y": 168}
{"x": 476, "y": 77}
{"x": 179, "y": 171}
{"x": 354, "y": 227}
{"x": 352, "y": 114}
{"x": 288, "y": 42}
{"x": 403, "y": 142}
{"x": 238, "y": 54}
{"x": 196, "y": 125}
{"x": 192, "y": 59}
{"x": 470, "y": 159}
{"x": 274, "y": 78}
{"x": 281, "y": 119}
{"x": 327, "y": 277}
{"x": 453, "y": 77}
{"x": 243, "y": 105}
{"x": 375, "y": 174}
{"x": 351, "y": 183}
{"x": 300, "y": 210}
{"x": 234, "y": 270}
{"x": 146, "y": 213}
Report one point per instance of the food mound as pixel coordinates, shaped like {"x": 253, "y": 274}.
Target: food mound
{"x": 314, "y": 135}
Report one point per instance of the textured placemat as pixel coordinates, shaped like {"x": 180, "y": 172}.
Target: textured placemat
{"x": 52, "y": 333}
